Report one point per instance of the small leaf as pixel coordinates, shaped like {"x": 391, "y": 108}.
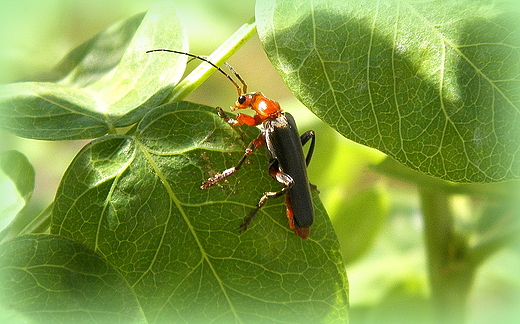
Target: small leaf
{"x": 16, "y": 185}
{"x": 433, "y": 84}
{"x": 110, "y": 81}
{"x": 51, "y": 279}
{"x": 16, "y": 166}
{"x": 136, "y": 200}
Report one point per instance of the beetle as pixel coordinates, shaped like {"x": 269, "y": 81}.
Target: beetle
{"x": 288, "y": 164}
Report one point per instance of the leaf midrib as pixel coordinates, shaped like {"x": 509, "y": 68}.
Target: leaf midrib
{"x": 183, "y": 213}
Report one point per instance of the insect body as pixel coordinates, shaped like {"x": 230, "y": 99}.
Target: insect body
{"x": 287, "y": 160}
{"x": 288, "y": 164}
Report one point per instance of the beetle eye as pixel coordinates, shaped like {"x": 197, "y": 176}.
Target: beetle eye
{"x": 241, "y": 99}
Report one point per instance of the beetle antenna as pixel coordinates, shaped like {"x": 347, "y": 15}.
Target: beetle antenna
{"x": 244, "y": 85}
{"x": 241, "y": 90}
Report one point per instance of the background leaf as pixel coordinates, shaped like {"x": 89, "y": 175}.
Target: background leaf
{"x": 91, "y": 60}
{"x": 49, "y": 111}
{"x": 95, "y": 95}
{"x": 363, "y": 216}
{"x": 16, "y": 185}
{"x": 141, "y": 81}
{"x": 17, "y": 168}
{"x": 433, "y": 84}
{"x": 136, "y": 200}
{"x": 51, "y": 279}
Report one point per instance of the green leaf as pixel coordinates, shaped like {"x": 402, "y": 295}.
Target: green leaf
{"x": 141, "y": 81}
{"x": 361, "y": 220}
{"x": 19, "y": 170}
{"x": 109, "y": 81}
{"x": 136, "y": 200}
{"x": 433, "y": 84}
{"x": 96, "y": 57}
{"x": 16, "y": 185}
{"x": 51, "y": 279}
{"x": 49, "y": 111}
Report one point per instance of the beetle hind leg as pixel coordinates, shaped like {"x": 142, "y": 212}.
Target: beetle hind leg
{"x": 267, "y": 195}
{"x": 281, "y": 177}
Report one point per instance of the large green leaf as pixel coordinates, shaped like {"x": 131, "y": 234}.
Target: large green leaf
{"x": 51, "y": 279}
{"x": 433, "y": 84}
{"x": 136, "y": 200}
{"x": 109, "y": 81}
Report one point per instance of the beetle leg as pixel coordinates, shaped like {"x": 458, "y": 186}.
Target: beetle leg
{"x": 227, "y": 119}
{"x": 304, "y": 138}
{"x": 241, "y": 119}
{"x": 255, "y": 144}
{"x": 279, "y": 176}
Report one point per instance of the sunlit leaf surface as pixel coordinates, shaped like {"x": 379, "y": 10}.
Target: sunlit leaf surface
{"x": 434, "y": 84}
{"x": 136, "y": 200}
{"x": 109, "y": 81}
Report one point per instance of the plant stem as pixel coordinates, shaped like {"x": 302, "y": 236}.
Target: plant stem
{"x": 219, "y": 56}
{"x": 450, "y": 274}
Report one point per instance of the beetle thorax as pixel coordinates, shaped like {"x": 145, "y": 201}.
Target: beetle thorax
{"x": 265, "y": 107}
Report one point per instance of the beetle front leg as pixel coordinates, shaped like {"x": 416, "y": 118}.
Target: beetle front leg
{"x": 241, "y": 119}
{"x": 279, "y": 176}
{"x": 255, "y": 144}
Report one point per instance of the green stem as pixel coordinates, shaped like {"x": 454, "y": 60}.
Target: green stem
{"x": 450, "y": 274}
{"x": 219, "y": 56}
